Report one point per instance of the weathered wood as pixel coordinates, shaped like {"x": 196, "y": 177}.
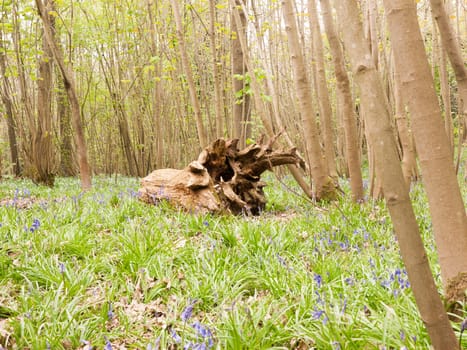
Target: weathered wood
{"x": 222, "y": 179}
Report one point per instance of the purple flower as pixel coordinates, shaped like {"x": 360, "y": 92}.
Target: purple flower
{"x": 108, "y": 345}
{"x": 110, "y": 313}
{"x": 318, "y": 279}
{"x": 200, "y": 346}
{"x": 464, "y": 325}
{"x": 402, "y": 334}
{"x": 175, "y": 336}
{"x": 187, "y": 312}
{"x": 202, "y": 330}
{"x": 61, "y": 267}
{"x": 316, "y": 315}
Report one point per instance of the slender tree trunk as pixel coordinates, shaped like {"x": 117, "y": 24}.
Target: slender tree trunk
{"x": 436, "y": 163}
{"x": 5, "y": 92}
{"x": 409, "y": 161}
{"x": 259, "y": 106}
{"x": 325, "y": 109}
{"x": 216, "y": 65}
{"x": 203, "y": 140}
{"x": 42, "y": 147}
{"x": 241, "y": 107}
{"x": 157, "y": 95}
{"x": 67, "y": 159}
{"x": 324, "y": 188}
{"x": 374, "y": 103}
{"x": 453, "y": 50}
{"x": 68, "y": 79}
{"x": 345, "y": 101}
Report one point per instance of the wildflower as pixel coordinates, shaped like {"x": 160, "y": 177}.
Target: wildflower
{"x": 202, "y": 330}
{"x": 61, "y": 267}
{"x": 316, "y": 315}
{"x": 200, "y": 346}
{"x": 464, "y": 325}
{"x": 108, "y": 345}
{"x": 187, "y": 312}
{"x": 336, "y": 345}
{"x": 402, "y": 334}
{"x": 175, "y": 336}
{"x": 35, "y": 225}
{"x": 110, "y": 313}
{"x": 318, "y": 279}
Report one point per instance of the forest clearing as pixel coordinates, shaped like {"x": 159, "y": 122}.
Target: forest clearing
{"x": 233, "y": 174}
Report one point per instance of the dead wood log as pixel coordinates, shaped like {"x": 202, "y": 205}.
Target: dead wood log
{"x": 222, "y": 179}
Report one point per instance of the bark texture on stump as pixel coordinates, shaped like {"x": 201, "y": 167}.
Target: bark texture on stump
{"x": 223, "y": 178}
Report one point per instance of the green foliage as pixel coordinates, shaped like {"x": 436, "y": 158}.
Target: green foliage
{"x": 103, "y": 268}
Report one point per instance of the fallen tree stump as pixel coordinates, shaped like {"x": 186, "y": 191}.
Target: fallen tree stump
{"x": 223, "y": 178}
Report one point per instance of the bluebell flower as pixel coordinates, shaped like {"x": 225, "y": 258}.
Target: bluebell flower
{"x": 316, "y": 315}
{"x": 187, "y": 312}
{"x": 318, "y": 279}
{"x": 336, "y": 345}
{"x": 175, "y": 336}
{"x": 464, "y": 325}
{"x": 110, "y": 313}
{"x": 402, "y": 334}
{"x": 61, "y": 267}
{"x": 202, "y": 330}
{"x": 108, "y": 345}
{"x": 200, "y": 346}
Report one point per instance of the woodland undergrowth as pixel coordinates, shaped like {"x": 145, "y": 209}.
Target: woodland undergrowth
{"x": 103, "y": 270}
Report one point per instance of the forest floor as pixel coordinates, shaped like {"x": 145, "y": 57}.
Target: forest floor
{"x": 103, "y": 270}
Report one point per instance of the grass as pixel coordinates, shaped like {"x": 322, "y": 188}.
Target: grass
{"x": 103, "y": 270}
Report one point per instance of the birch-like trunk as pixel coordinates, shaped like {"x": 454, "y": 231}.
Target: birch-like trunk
{"x": 377, "y": 118}
{"x": 433, "y": 148}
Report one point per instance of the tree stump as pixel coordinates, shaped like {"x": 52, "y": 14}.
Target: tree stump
{"x": 223, "y": 178}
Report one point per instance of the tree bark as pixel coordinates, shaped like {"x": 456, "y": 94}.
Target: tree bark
{"x": 325, "y": 109}
{"x": 218, "y": 105}
{"x": 436, "y": 162}
{"x": 241, "y": 108}
{"x": 203, "y": 139}
{"x": 377, "y": 117}
{"x": 5, "y": 92}
{"x": 409, "y": 160}
{"x": 68, "y": 80}
{"x": 324, "y": 187}
{"x": 345, "y": 101}
{"x": 42, "y": 147}
{"x": 453, "y": 50}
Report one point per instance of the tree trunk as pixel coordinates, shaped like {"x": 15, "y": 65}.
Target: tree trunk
{"x": 374, "y": 103}
{"x": 325, "y": 109}
{"x": 296, "y": 172}
{"x": 203, "y": 140}
{"x": 409, "y": 160}
{"x": 67, "y": 159}
{"x": 216, "y": 65}
{"x": 5, "y": 92}
{"x": 345, "y": 101}
{"x": 324, "y": 187}
{"x": 68, "y": 80}
{"x": 241, "y": 108}
{"x": 453, "y": 50}
{"x": 42, "y": 147}
{"x": 436, "y": 162}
